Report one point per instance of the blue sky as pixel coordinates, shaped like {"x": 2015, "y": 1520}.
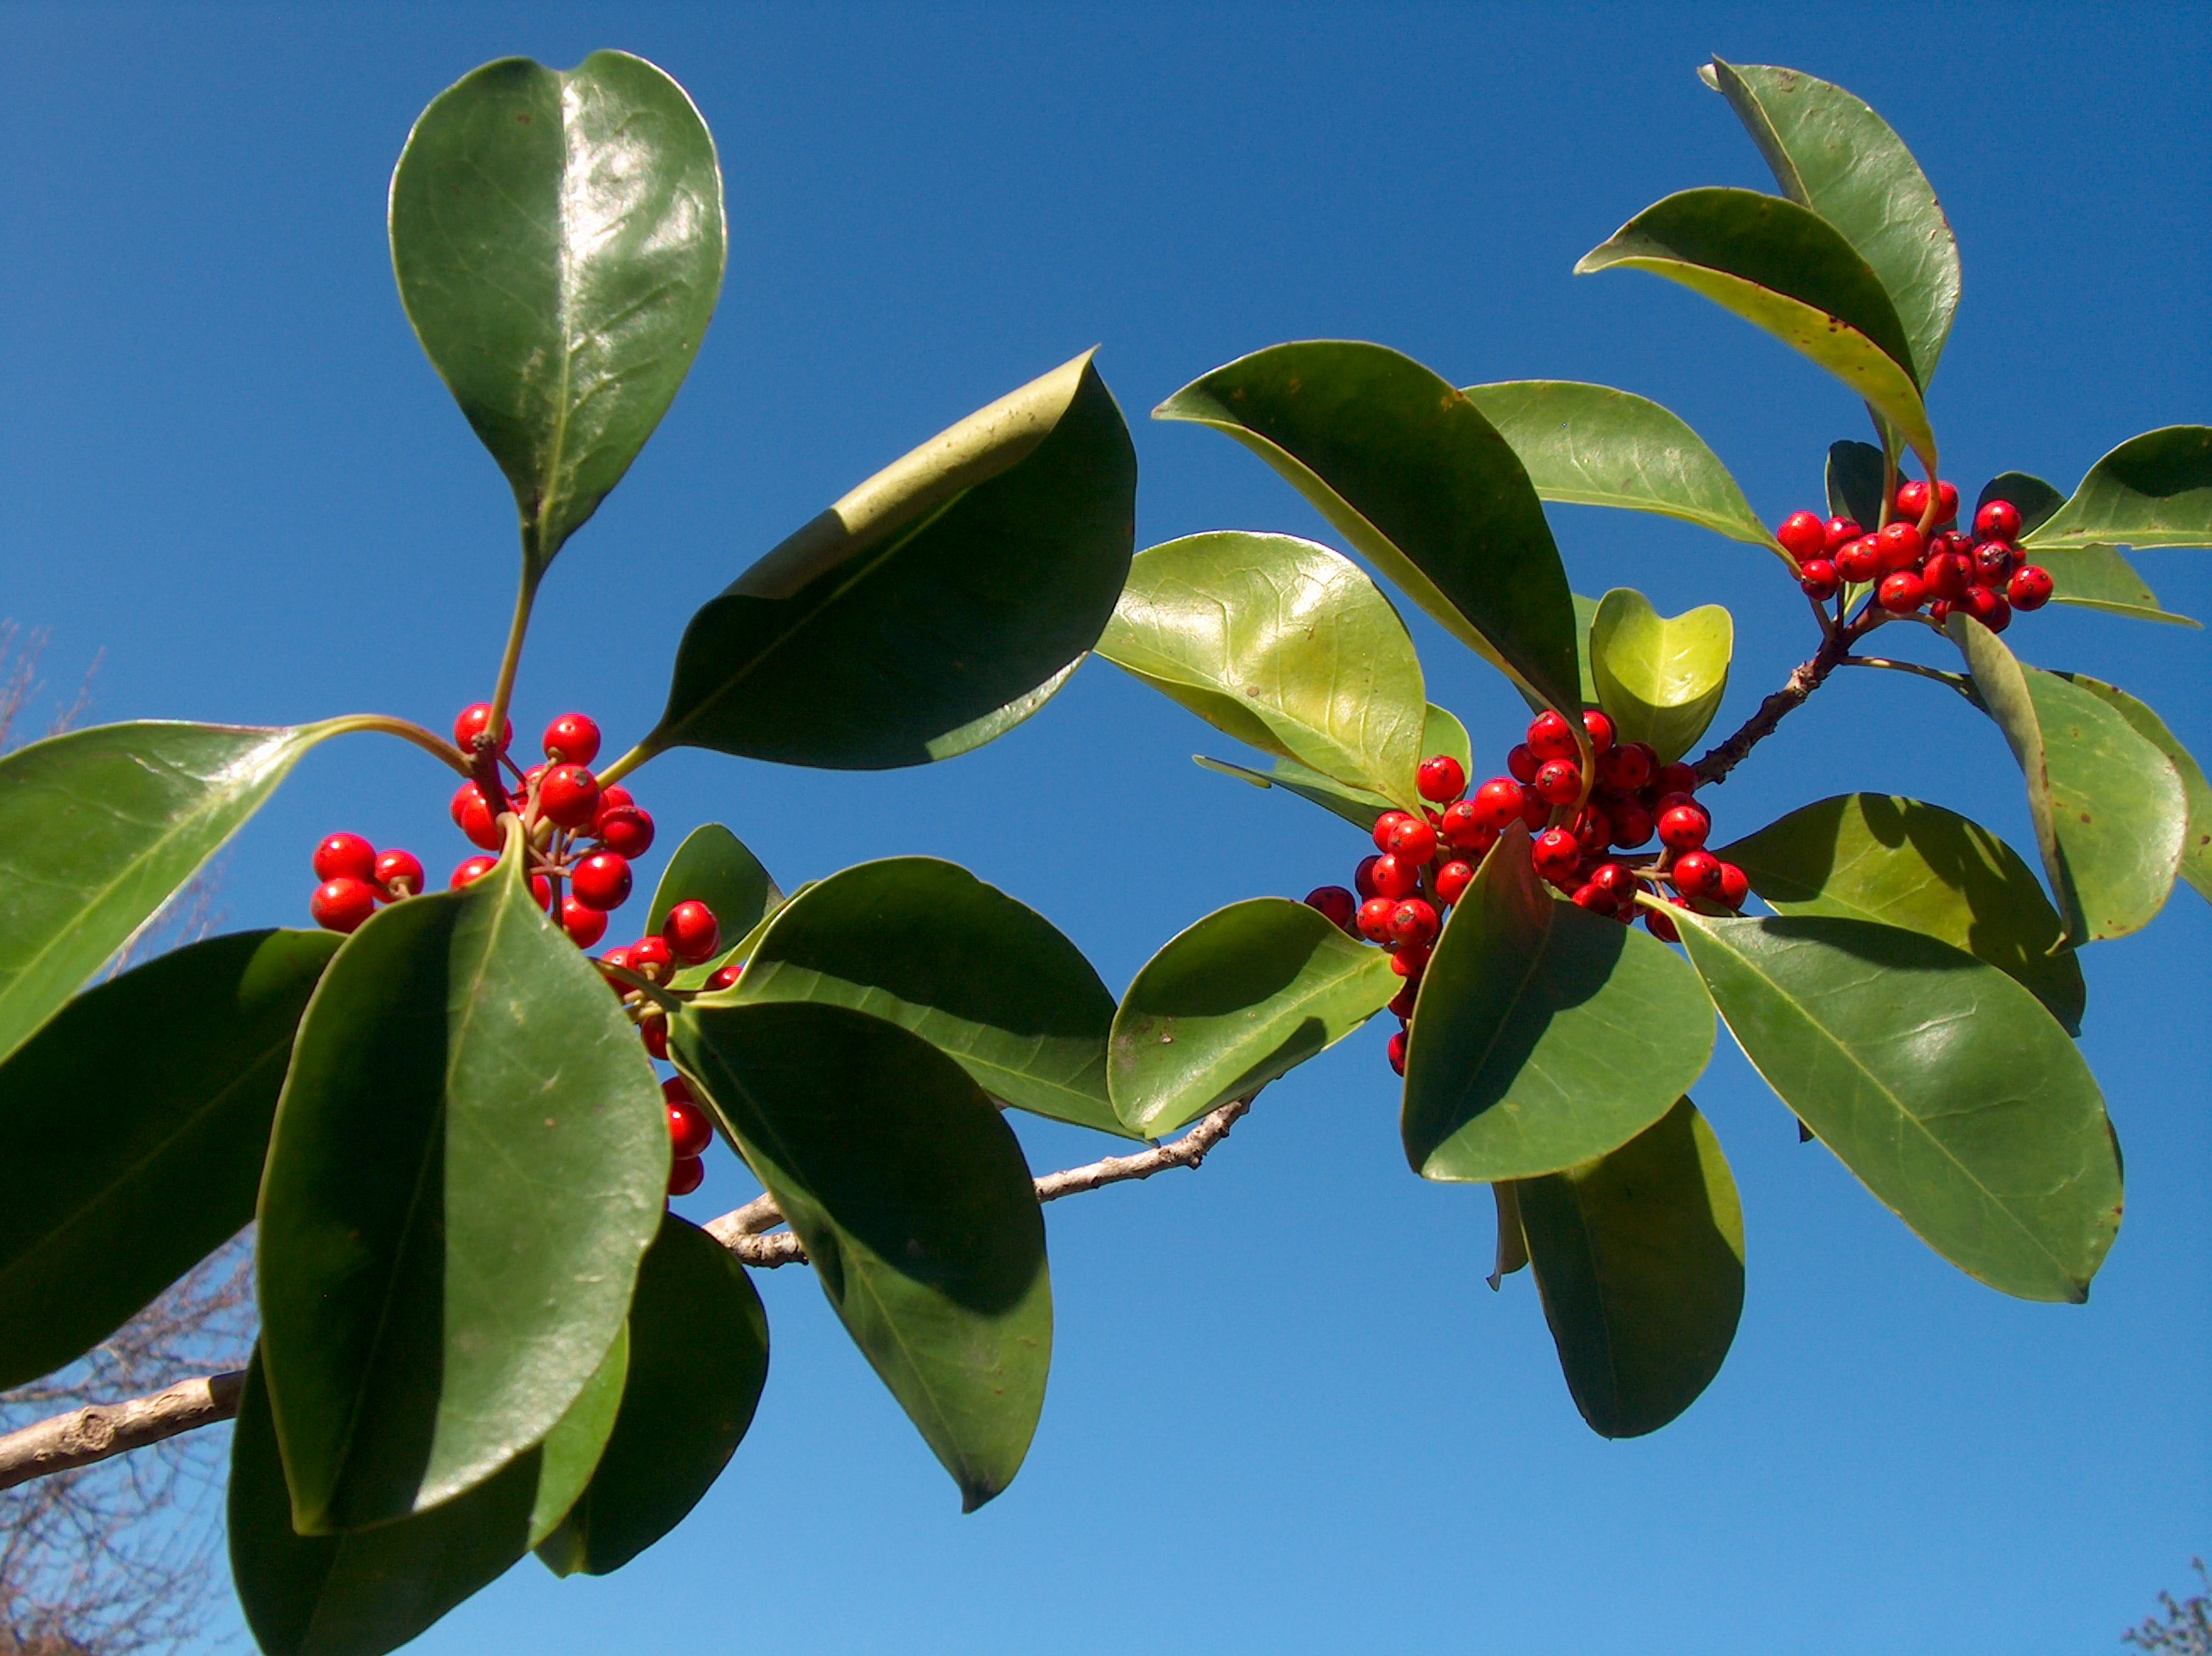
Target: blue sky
{"x": 1287, "y": 1415}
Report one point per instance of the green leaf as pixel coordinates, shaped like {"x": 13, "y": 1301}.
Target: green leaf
{"x": 1787, "y": 269}
{"x": 991, "y": 983}
{"x": 98, "y": 829}
{"x": 2034, "y": 499}
{"x": 1593, "y": 446}
{"x": 372, "y": 1592}
{"x": 1408, "y": 470}
{"x": 698, "y": 1358}
{"x": 1871, "y": 857}
{"x": 1855, "y": 477}
{"x": 1830, "y": 152}
{"x": 2090, "y": 577}
{"x": 470, "y": 1157}
{"x": 1248, "y": 994}
{"x": 1639, "y": 1256}
{"x": 1660, "y": 678}
{"x": 1284, "y": 645}
{"x": 1938, "y": 1081}
{"x": 2152, "y": 490}
{"x": 180, "y": 1061}
{"x": 2197, "y": 843}
{"x": 1512, "y": 1244}
{"x": 713, "y": 865}
{"x": 1442, "y": 733}
{"x": 559, "y": 243}
{"x": 912, "y": 1199}
{"x": 1544, "y": 1034}
{"x": 2109, "y": 811}
{"x": 933, "y": 608}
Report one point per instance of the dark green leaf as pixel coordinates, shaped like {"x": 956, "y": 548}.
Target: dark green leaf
{"x": 1442, "y": 733}
{"x": 713, "y": 865}
{"x": 2108, "y": 807}
{"x": 559, "y": 242}
{"x": 2034, "y": 499}
{"x": 1939, "y": 1081}
{"x": 2197, "y": 843}
{"x": 1785, "y": 269}
{"x": 698, "y": 1358}
{"x": 1248, "y": 994}
{"x": 97, "y": 830}
{"x": 1661, "y": 678}
{"x": 470, "y": 1156}
{"x": 179, "y": 1063}
{"x": 1830, "y": 152}
{"x": 1854, "y": 478}
{"x": 932, "y": 609}
{"x": 1870, "y": 856}
{"x": 914, "y": 1205}
{"x": 1639, "y": 1256}
{"x": 928, "y": 946}
{"x": 1544, "y": 1034}
{"x": 2152, "y": 490}
{"x": 1408, "y": 470}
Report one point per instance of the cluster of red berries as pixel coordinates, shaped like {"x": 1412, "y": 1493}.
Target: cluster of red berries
{"x": 1983, "y": 575}
{"x": 691, "y": 936}
{"x": 1424, "y": 863}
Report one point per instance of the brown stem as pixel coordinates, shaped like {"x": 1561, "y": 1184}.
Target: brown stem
{"x": 1714, "y": 764}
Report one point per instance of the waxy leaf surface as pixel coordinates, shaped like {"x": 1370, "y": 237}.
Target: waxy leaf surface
{"x": 714, "y": 866}
{"x": 1661, "y": 678}
{"x": 913, "y": 1202}
{"x": 2152, "y": 490}
{"x": 469, "y": 1158}
{"x": 1939, "y": 1081}
{"x": 2197, "y": 841}
{"x": 180, "y": 1061}
{"x": 1639, "y": 1256}
{"x": 1854, "y": 476}
{"x": 559, "y": 243}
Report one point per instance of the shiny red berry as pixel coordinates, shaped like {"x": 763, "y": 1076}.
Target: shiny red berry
{"x": 1496, "y": 803}
{"x": 568, "y": 796}
{"x": 653, "y": 1031}
{"x": 1661, "y": 927}
{"x": 692, "y": 933}
{"x": 397, "y": 874}
{"x": 2029, "y": 588}
{"x": 1627, "y": 766}
{"x": 1373, "y": 919}
{"x": 1522, "y": 763}
{"x": 626, "y": 832}
{"x": 1598, "y": 726}
{"x": 1441, "y": 779}
{"x": 1409, "y": 961}
{"x": 651, "y": 957}
{"x": 1615, "y": 879}
{"x": 1899, "y": 546}
{"x": 1939, "y": 611}
{"x": 1684, "y": 827}
{"x": 1860, "y": 560}
{"x": 345, "y": 856}
{"x": 1396, "y": 1052}
{"x": 1452, "y": 881}
{"x": 1334, "y": 904}
{"x": 1695, "y": 873}
{"x": 468, "y": 872}
{"x": 1461, "y": 826}
{"x": 1363, "y": 878}
{"x": 474, "y": 817}
{"x": 1402, "y": 1003}
{"x": 1386, "y": 825}
{"x": 1551, "y": 737}
{"x": 471, "y": 723}
{"x": 1595, "y": 898}
{"x": 616, "y": 957}
{"x": 1912, "y": 501}
{"x": 1559, "y": 782}
{"x": 571, "y": 738}
{"x": 724, "y": 978}
{"x": 1395, "y": 878}
{"x": 1948, "y": 575}
{"x": 342, "y": 904}
{"x": 1998, "y": 519}
{"x": 1734, "y": 887}
{"x": 1993, "y": 562}
{"x": 1534, "y": 814}
{"x": 1901, "y": 593}
{"x": 1802, "y": 535}
{"x": 1414, "y": 842}
{"x": 1554, "y": 854}
{"x": 1841, "y": 532}
{"x": 1413, "y": 922}
{"x": 602, "y": 881}
{"x": 2000, "y": 615}
{"x": 1632, "y": 826}
{"x": 1818, "y": 579}
{"x": 685, "y": 1174}
{"x": 585, "y": 924}
{"x": 690, "y": 1132}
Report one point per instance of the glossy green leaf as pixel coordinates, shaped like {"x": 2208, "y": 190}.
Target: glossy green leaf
{"x": 1830, "y": 152}
{"x": 933, "y": 608}
{"x": 1593, "y": 446}
{"x": 2196, "y": 796}
{"x": 1937, "y": 1079}
{"x": 1783, "y": 268}
{"x": 1408, "y": 470}
{"x": 470, "y": 1157}
{"x": 1442, "y": 733}
{"x": 559, "y": 243}
{"x": 714, "y": 866}
{"x": 698, "y": 1359}
{"x": 988, "y": 981}
{"x": 180, "y": 1061}
{"x": 911, "y": 1195}
{"x": 1284, "y": 645}
{"x": 366, "y": 1593}
{"x": 1870, "y": 856}
{"x": 1248, "y": 994}
{"x": 2108, "y": 807}
{"x": 1855, "y": 474}
{"x": 100, "y": 827}
{"x": 1544, "y": 1034}
{"x": 1661, "y": 678}
{"x": 2152, "y": 490}
{"x": 1586, "y": 671}
{"x": 1639, "y": 1256}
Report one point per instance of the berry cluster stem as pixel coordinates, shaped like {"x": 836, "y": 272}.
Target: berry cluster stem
{"x": 1808, "y": 676}
{"x": 525, "y": 596}
{"x": 444, "y": 752}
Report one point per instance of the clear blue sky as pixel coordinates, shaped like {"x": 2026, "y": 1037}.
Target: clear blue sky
{"x": 1287, "y": 1415}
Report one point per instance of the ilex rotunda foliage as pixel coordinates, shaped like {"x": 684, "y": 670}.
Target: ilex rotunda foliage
{"x": 456, "y": 1129}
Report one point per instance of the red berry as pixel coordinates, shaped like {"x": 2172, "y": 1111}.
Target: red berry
{"x": 1595, "y": 898}
{"x": 1614, "y": 879}
{"x": 1661, "y": 927}
{"x": 694, "y": 934}
{"x": 1396, "y": 1052}
{"x": 684, "y": 1175}
{"x": 1841, "y": 532}
{"x": 1522, "y": 763}
{"x": 626, "y": 832}
{"x": 542, "y": 889}
{"x": 1414, "y": 842}
{"x": 1402, "y": 1003}
{"x": 1395, "y": 878}
{"x": 1334, "y": 904}
{"x": 1684, "y": 827}
{"x": 1695, "y": 873}
{"x": 345, "y": 856}
{"x": 1631, "y": 826}
{"x": 1948, "y": 575}
{"x": 1802, "y": 535}
{"x": 1496, "y": 803}
{"x": 1901, "y": 593}
{"x": 1818, "y": 579}
{"x": 653, "y": 1031}
{"x": 1998, "y": 519}
{"x": 1628, "y": 766}
{"x": 568, "y": 796}
{"x": 1598, "y": 726}
{"x": 1409, "y": 961}
{"x": 726, "y": 977}
{"x": 1859, "y": 560}
{"x": 1534, "y": 814}
{"x": 1676, "y": 778}
{"x": 397, "y": 874}
{"x": 615, "y": 799}
{"x": 1980, "y": 603}
{"x": 469, "y": 872}
{"x": 474, "y": 817}
{"x": 1993, "y": 562}
{"x": 1442, "y": 778}
{"x": 1899, "y": 546}
{"x": 1551, "y": 737}
{"x": 1386, "y": 825}
{"x": 616, "y": 958}
{"x": 1735, "y": 885}
{"x": 1373, "y": 919}
{"x": 1363, "y": 877}
{"x": 1413, "y": 921}
{"x": 470, "y": 723}
{"x": 651, "y": 957}
{"x": 1947, "y": 502}
{"x": 690, "y": 1132}
{"x": 1554, "y": 854}
{"x": 1559, "y": 782}
{"x": 342, "y": 904}
{"x": 602, "y": 881}
{"x": 1912, "y": 501}
{"x": 1461, "y": 826}
{"x": 585, "y": 924}
{"x": 571, "y": 738}
{"x": 1453, "y": 880}
{"x": 2000, "y": 615}
{"x": 2029, "y": 588}
{"x": 1939, "y": 611}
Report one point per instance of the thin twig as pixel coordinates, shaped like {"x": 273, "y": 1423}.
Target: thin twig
{"x": 1949, "y": 681}
{"x": 1805, "y": 677}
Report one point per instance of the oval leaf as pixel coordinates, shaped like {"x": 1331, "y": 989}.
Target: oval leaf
{"x": 713, "y": 865}
{"x": 1871, "y": 857}
{"x": 698, "y": 1359}
{"x": 1544, "y": 1034}
{"x": 1639, "y": 1258}
{"x": 1832, "y": 153}
{"x": 100, "y": 827}
{"x": 1938, "y": 1081}
{"x": 1248, "y": 994}
{"x": 988, "y": 981}
{"x": 1407, "y": 470}
{"x": 1787, "y": 269}
{"x": 911, "y": 1195}
{"x": 184, "y": 1056}
{"x": 470, "y": 1157}
{"x": 2152, "y": 490}
{"x": 935, "y": 606}
{"x": 2109, "y": 811}
{"x": 559, "y": 243}
{"x": 1442, "y": 733}
{"x": 1854, "y": 479}
{"x": 1284, "y": 645}
{"x": 1661, "y": 678}
{"x": 1593, "y": 446}
{"x": 2196, "y": 842}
